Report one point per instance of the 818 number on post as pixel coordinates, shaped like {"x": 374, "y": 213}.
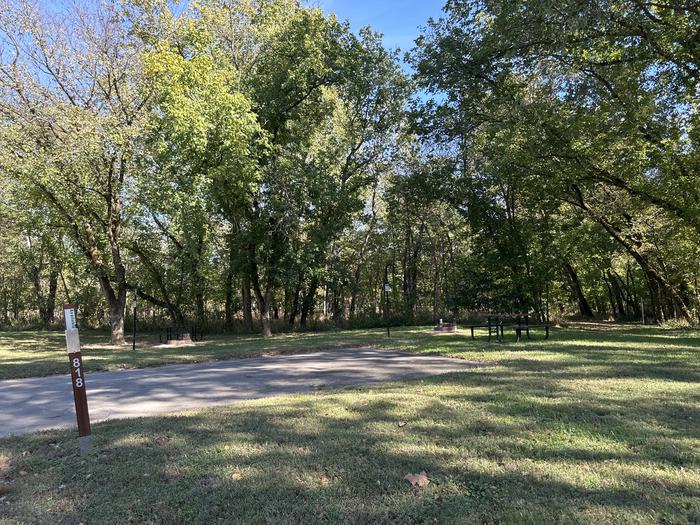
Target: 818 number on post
{"x": 76, "y": 363}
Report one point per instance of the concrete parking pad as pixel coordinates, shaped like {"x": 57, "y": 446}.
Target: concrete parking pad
{"x": 30, "y": 405}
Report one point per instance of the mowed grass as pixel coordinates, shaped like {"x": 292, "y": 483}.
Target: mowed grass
{"x": 34, "y": 353}
{"x": 591, "y": 427}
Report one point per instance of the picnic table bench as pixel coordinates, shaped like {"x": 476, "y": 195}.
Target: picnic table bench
{"x": 497, "y": 323}
{"x": 180, "y": 333}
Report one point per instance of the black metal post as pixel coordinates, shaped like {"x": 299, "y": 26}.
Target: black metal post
{"x": 387, "y": 289}
{"x": 133, "y": 327}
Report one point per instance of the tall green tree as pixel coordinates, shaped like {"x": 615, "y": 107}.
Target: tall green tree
{"x": 72, "y": 106}
{"x": 592, "y": 104}
{"x": 202, "y": 146}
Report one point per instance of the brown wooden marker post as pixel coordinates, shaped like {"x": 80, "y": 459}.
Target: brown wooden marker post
{"x": 77, "y": 378}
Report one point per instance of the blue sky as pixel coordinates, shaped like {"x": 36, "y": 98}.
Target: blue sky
{"x": 398, "y": 20}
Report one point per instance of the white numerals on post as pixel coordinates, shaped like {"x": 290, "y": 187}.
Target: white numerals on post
{"x": 77, "y": 377}
{"x": 79, "y": 383}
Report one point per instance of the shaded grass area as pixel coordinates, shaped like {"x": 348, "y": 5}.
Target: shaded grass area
{"x": 591, "y": 427}
{"x": 33, "y": 354}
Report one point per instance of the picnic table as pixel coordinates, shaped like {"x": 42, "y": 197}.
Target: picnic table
{"x": 445, "y": 327}
{"x": 182, "y": 334}
{"x": 518, "y": 322}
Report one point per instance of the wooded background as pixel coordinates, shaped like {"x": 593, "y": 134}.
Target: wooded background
{"x": 250, "y": 165}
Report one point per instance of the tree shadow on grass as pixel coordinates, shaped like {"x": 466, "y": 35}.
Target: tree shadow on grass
{"x": 592, "y": 433}
{"x": 494, "y": 449}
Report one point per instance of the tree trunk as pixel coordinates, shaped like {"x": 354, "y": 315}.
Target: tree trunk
{"x": 412, "y": 250}
{"x": 5, "y": 306}
{"x": 583, "y": 306}
{"x": 611, "y": 298}
{"x": 247, "y": 306}
{"x": 355, "y": 290}
{"x": 630, "y": 298}
{"x": 600, "y": 307}
{"x": 655, "y": 279}
{"x": 295, "y": 304}
{"x": 230, "y": 274}
{"x": 264, "y": 297}
{"x": 338, "y": 308}
{"x": 65, "y": 287}
{"x": 308, "y": 303}
{"x": 228, "y": 308}
{"x": 50, "y": 302}
{"x": 656, "y": 299}
{"x": 617, "y": 294}
{"x": 265, "y": 319}
{"x": 15, "y": 304}
{"x": 117, "y": 305}
{"x": 199, "y": 302}
{"x": 35, "y": 273}
{"x": 361, "y": 258}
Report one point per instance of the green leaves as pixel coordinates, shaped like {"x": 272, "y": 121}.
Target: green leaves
{"x": 584, "y": 104}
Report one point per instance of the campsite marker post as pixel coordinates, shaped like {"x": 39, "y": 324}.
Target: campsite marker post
{"x": 77, "y": 375}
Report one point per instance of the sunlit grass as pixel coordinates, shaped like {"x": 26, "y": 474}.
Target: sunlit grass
{"x": 27, "y": 354}
{"x": 589, "y": 427}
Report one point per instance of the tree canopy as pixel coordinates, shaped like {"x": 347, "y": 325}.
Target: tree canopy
{"x": 256, "y": 165}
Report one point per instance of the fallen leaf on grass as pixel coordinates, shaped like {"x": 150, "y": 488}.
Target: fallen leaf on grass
{"x": 236, "y": 474}
{"x": 325, "y": 480}
{"x": 418, "y": 480}
{"x": 172, "y": 471}
{"x": 402, "y": 423}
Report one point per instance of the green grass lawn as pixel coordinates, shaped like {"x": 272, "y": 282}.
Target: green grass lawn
{"x": 593, "y": 426}
{"x": 32, "y": 354}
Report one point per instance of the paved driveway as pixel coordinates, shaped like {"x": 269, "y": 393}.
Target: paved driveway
{"x": 28, "y": 405}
